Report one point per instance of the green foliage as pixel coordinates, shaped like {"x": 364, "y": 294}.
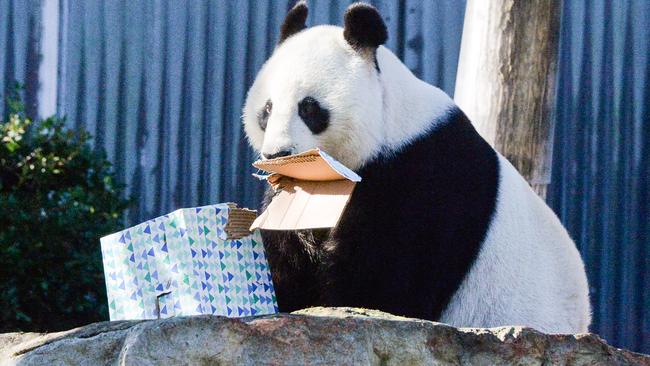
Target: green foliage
{"x": 58, "y": 196}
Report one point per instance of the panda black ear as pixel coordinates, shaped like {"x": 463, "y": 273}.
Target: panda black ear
{"x": 363, "y": 27}
{"x": 294, "y": 22}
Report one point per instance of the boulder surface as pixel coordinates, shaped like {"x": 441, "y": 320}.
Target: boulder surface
{"x": 315, "y": 336}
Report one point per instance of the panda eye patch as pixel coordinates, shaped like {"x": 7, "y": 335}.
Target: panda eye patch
{"x": 263, "y": 118}
{"x": 315, "y": 117}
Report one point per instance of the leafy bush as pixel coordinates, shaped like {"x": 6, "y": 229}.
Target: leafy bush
{"x": 58, "y": 196}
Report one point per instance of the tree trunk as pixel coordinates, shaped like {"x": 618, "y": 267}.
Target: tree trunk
{"x": 506, "y": 80}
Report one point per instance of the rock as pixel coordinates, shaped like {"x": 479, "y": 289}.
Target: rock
{"x": 315, "y": 336}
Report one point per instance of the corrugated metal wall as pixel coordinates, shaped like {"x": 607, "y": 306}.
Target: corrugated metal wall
{"x": 601, "y": 164}
{"x": 19, "y": 45}
{"x": 161, "y": 85}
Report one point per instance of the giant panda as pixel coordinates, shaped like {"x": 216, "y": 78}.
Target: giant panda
{"x": 441, "y": 227}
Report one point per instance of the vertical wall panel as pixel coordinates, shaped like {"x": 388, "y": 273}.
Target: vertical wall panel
{"x": 600, "y": 182}
{"x": 216, "y": 101}
{"x": 6, "y": 51}
{"x": 160, "y": 85}
{"x": 20, "y": 27}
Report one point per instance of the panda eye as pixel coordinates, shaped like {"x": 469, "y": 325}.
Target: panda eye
{"x": 266, "y": 112}
{"x": 315, "y": 117}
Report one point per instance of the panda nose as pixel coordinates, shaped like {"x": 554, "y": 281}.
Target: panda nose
{"x": 278, "y": 154}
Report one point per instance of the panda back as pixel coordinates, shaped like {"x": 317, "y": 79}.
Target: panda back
{"x": 528, "y": 271}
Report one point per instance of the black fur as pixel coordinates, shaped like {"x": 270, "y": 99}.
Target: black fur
{"x": 315, "y": 117}
{"x": 412, "y": 229}
{"x": 294, "y": 21}
{"x": 278, "y": 154}
{"x": 364, "y": 27}
{"x": 263, "y": 116}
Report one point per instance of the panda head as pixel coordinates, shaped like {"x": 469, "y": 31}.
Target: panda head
{"x": 320, "y": 88}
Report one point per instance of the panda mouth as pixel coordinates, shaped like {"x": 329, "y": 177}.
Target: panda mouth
{"x": 279, "y": 154}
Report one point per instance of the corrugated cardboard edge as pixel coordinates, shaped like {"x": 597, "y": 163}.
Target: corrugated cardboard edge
{"x": 306, "y": 157}
{"x": 239, "y": 222}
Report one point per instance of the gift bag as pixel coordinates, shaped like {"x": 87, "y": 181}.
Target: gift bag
{"x": 200, "y": 260}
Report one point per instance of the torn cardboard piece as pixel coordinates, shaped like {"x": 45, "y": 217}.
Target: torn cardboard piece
{"x": 312, "y": 191}
{"x": 239, "y": 221}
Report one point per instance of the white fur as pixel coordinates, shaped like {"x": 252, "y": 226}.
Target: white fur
{"x": 528, "y": 271}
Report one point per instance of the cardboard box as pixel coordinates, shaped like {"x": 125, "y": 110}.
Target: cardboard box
{"x": 200, "y": 260}
{"x": 312, "y": 191}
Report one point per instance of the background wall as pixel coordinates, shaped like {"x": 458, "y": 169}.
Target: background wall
{"x": 160, "y": 84}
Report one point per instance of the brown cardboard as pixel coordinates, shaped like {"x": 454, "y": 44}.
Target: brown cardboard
{"x": 312, "y": 191}
{"x": 239, "y": 221}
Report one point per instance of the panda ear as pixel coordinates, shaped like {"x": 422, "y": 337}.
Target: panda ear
{"x": 294, "y": 22}
{"x": 363, "y": 27}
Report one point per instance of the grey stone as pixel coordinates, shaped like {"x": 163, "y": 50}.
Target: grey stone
{"x": 315, "y": 336}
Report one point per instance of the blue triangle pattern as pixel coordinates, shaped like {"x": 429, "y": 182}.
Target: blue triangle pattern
{"x": 160, "y": 257}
